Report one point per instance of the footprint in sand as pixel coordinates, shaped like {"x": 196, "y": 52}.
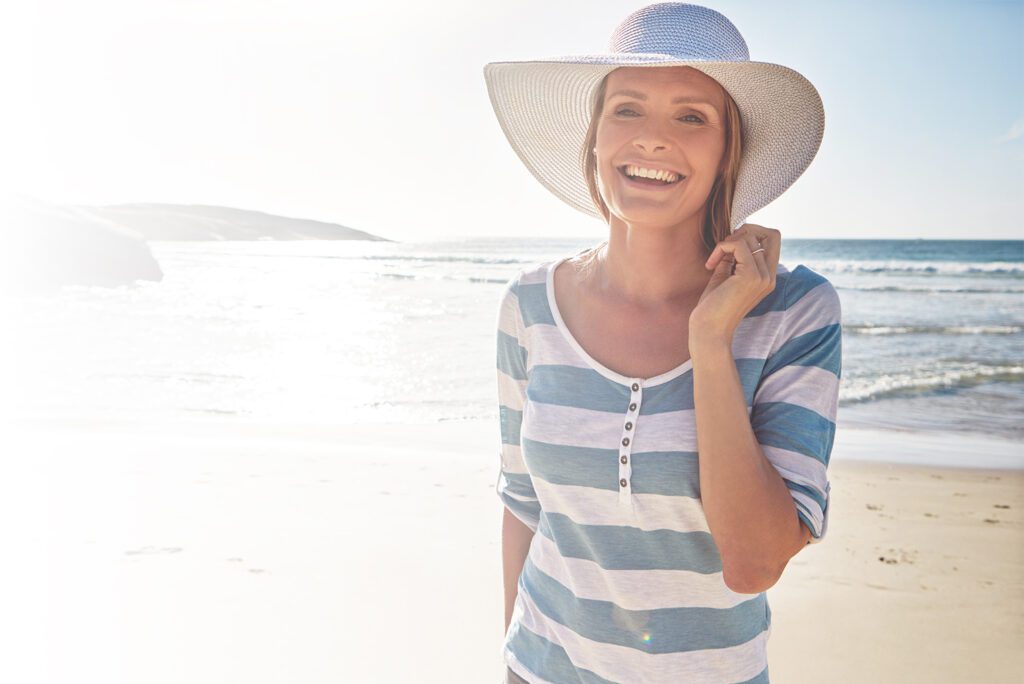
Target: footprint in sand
{"x": 905, "y": 556}
{"x": 153, "y": 549}
{"x": 236, "y": 559}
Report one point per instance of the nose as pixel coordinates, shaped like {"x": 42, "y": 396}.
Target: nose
{"x": 647, "y": 147}
{"x": 650, "y": 137}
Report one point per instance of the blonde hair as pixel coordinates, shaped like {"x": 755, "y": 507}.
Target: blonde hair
{"x": 716, "y": 226}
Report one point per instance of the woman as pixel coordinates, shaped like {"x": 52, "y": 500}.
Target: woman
{"x": 667, "y": 398}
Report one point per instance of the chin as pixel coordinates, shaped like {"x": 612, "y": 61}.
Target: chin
{"x": 648, "y": 211}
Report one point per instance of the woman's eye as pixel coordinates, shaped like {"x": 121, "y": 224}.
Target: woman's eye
{"x": 626, "y": 110}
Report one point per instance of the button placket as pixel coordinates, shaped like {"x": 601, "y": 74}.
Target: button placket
{"x": 626, "y": 444}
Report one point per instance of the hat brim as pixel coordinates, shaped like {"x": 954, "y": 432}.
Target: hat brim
{"x": 544, "y": 108}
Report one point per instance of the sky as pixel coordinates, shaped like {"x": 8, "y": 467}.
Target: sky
{"x": 376, "y": 115}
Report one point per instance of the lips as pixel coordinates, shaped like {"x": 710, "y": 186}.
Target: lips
{"x": 649, "y": 167}
{"x": 647, "y": 183}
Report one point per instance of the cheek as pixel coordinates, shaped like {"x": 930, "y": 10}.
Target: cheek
{"x": 709, "y": 144}
{"x": 608, "y": 139}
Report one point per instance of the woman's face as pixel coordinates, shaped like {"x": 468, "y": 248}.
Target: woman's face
{"x": 643, "y": 124}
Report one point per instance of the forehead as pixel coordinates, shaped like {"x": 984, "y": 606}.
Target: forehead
{"x": 667, "y": 82}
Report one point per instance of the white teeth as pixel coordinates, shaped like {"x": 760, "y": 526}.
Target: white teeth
{"x": 666, "y": 176}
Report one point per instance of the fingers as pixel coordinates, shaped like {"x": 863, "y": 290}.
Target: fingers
{"x": 772, "y": 248}
{"x": 734, "y": 248}
{"x": 755, "y": 245}
{"x": 750, "y": 256}
{"x": 753, "y": 242}
{"x": 717, "y": 253}
{"x": 771, "y": 241}
{"x": 724, "y": 249}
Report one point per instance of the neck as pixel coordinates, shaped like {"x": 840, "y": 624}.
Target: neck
{"x": 649, "y": 266}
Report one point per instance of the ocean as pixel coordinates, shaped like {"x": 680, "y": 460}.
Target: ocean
{"x": 356, "y": 332}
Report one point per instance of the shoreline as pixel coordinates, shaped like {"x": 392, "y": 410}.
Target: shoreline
{"x": 854, "y": 443}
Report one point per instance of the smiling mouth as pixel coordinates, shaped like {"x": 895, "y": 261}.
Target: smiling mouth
{"x": 653, "y": 182}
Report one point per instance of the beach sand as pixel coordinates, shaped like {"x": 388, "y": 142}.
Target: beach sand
{"x": 234, "y": 552}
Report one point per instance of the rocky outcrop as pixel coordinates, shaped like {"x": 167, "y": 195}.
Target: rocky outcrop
{"x": 45, "y": 246}
{"x": 205, "y": 222}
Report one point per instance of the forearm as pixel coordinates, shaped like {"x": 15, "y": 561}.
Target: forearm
{"x": 515, "y": 543}
{"x": 749, "y": 509}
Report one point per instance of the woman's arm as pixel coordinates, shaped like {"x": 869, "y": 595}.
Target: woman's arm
{"x": 515, "y": 484}
{"x": 515, "y": 542}
{"x": 749, "y": 509}
{"x": 762, "y": 473}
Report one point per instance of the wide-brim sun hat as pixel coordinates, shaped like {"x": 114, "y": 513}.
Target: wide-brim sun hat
{"x": 544, "y": 105}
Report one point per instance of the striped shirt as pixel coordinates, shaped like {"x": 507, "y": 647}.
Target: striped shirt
{"x": 624, "y": 581}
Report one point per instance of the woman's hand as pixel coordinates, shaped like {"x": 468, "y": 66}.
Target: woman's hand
{"x": 740, "y": 280}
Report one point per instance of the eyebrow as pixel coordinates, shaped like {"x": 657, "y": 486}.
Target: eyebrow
{"x": 679, "y": 100}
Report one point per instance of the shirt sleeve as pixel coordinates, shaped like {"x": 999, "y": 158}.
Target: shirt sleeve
{"x": 515, "y": 486}
{"x": 794, "y": 410}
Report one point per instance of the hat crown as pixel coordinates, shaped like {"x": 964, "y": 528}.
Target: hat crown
{"x": 681, "y": 30}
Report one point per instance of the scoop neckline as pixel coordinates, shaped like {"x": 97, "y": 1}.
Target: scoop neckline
{"x": 591, "y": 361}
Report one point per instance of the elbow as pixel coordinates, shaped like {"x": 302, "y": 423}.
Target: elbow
{"x": 753, "y": 572}
{"x": 750, "y": 578}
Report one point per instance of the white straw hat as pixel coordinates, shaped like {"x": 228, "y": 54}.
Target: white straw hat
{"x": 544, "y": 106}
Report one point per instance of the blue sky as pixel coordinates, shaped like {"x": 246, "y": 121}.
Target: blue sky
{"x": 377, "y": 117}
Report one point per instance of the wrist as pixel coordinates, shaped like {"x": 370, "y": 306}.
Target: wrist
{"x": 710, "y": 334}
{"x": 708, "y": 345}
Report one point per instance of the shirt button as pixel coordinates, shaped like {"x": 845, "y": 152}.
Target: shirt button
{"x": 629, "y": 425}
{"x": 623, "y": 458}
{"x": 625, "y": 441}
{"x": 635, "y": 387}
{"x": 632, "y": 407}
{"x": 622, "y": 482}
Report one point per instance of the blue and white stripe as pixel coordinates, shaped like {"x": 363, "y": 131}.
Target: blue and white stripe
{"x": 623, "y": 593}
